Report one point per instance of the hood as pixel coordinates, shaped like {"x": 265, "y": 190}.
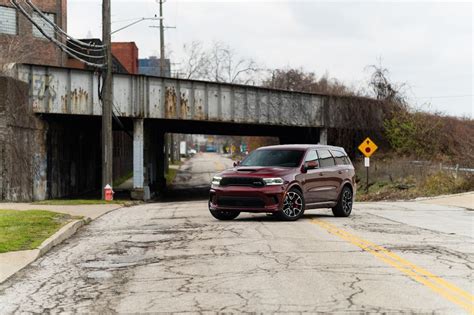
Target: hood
{"x": 258, "y": 171}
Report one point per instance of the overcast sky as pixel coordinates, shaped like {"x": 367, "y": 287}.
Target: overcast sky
{"x": 428, "y": 45}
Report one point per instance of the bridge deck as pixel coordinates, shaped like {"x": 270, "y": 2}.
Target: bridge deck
{"x": 72, "y": 91}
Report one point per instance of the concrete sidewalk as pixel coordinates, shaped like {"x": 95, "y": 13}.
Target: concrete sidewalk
{"x": 87, "y": 211}
{"x": 463, "y": 200}
{"x": 12, "y": 262}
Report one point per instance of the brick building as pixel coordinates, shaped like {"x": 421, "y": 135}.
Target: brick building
{"x": 29, "y": 44}
{"x": 127, "y": 54}
{"x": 124, "y": 56}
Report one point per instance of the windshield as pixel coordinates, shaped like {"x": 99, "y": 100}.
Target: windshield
{"x": 282, "y": 158}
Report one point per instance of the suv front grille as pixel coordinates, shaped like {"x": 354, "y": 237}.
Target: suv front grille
{"x": 242, "y": 181}
{"x": 244, "y": 202}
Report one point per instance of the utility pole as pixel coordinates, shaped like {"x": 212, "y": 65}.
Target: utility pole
{"x": 107, "y": 97}
{"x": 169, "y": 137}
{"x": 162, "y": 41}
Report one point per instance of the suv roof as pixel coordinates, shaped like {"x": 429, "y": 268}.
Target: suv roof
{"x": 301, "y": 147}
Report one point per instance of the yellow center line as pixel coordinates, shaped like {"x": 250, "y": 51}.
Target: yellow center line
{"x": 439, "y": 285}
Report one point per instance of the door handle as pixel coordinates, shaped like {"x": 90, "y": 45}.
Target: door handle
{"x": 340, "y": 172}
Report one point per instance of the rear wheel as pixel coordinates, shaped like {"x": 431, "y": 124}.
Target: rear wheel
{"x": 344, "y": 204}
{"x": 293, "y": 205}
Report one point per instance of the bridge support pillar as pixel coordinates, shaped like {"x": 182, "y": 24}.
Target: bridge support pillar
{"x": 140, "y": 190}
{"x": 323, "y": 136}
{"x": 161, "y": 161}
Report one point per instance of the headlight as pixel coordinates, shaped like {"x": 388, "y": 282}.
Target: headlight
{"x": 216, "y": 180}
{"x": 273, "y": 181}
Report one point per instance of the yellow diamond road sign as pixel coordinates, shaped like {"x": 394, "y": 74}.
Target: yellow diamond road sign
{"x": 368, "y": 147}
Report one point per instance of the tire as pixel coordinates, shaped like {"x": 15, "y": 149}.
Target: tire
{"x": 344, "y": 204}
{"x": 224, "y": 215}
{"x": 293, "y": 205}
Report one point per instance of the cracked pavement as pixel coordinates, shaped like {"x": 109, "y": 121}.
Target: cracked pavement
{"x": 174, "y": 257}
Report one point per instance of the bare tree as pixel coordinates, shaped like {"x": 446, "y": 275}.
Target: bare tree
{"x": 382, "y": 88}
{"x": 195, "y": 63}
{"x": 219, "y": 63}
{"x": 300, "y": 80}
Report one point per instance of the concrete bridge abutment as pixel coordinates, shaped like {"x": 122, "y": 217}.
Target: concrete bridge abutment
{"x": 149, "y": 159}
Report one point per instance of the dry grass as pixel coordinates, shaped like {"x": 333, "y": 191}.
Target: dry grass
{"x": 395, "y": 179}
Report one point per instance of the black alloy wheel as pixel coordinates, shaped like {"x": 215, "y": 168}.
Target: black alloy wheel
{"x": 344, "y": 204}
{"x": 293, "y": 205}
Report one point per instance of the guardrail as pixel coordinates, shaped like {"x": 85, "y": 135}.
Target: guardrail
{"x": 441, "y": 167}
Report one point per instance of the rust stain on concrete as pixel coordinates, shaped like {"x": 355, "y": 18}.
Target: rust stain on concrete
{"x": 184, "y": 106}
{"x": 170, "y": 102}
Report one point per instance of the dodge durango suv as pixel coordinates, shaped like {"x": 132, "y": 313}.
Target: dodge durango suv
{"x": 285, "y": 180}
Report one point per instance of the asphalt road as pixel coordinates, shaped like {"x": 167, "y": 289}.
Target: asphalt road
{"x": 174, "y": 257}
{"x": 194, "y": 176}
{"x": 198, "y": 171}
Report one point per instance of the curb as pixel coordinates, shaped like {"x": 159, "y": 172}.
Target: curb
{"x": 60, "y": 236}
{"x": 443, "y": 196}
{"x": 466, "y": 207}
{"x": 57, "y": 238}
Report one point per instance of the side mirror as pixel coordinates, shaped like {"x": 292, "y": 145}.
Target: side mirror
{"x": 303, "y": 168}
{"x": 310, "y": 165}
{"x": 236, "y": 163}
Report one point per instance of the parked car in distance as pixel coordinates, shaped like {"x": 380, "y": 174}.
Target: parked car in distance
{"x": 285, "y": 180}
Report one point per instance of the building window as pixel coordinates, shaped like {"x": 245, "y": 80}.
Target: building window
{"x": 8, "y": 24}
{"x": 45, "y": 26}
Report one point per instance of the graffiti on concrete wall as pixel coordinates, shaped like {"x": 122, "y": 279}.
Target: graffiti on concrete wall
{"x": 43, "y": 87}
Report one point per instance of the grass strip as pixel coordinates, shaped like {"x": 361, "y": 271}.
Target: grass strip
{"x": 22, "y": 230}
{"x": 170, "y": 175}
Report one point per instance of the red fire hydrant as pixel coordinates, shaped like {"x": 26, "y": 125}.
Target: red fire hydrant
{"x": 108, "y": 193}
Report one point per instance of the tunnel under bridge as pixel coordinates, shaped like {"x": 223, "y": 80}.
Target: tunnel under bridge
{"x": 146, "y": 108}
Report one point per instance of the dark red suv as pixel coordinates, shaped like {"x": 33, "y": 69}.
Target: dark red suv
{"x": 285, "y": 180}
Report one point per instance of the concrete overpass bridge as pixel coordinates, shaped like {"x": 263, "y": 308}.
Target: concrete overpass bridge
{"x": 148, "y": 108}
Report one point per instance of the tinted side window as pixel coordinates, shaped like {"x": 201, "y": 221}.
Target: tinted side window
{"x": 312, "y": 156}
{"x": 340, "y": 157}
{"x": 325, "y": 158}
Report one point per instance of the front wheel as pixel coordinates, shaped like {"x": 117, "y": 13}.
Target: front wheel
{"x": 344, "y": 204}
{"x": 293, "y": 205}
{"x": 224, "y": 215}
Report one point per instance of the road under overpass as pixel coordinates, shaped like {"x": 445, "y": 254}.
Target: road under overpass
{"x": 149, "y": 107}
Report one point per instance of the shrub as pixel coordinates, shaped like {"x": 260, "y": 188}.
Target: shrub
{"x": 442, "y": 183}
{"x": 431, "y": 136}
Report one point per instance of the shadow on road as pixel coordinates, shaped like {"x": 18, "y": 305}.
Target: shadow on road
{"x": 185, "y": 194}
{"x": 273, "y": 218}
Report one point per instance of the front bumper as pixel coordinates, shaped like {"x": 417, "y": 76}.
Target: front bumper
{"x": 247, "y": 199}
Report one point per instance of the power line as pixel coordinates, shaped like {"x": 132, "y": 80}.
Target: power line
{"x": 60, "y": 32}
{"x": 71, "y": 52}
{"x": 135, "y": 22}
{"x": 59, "y": 29}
